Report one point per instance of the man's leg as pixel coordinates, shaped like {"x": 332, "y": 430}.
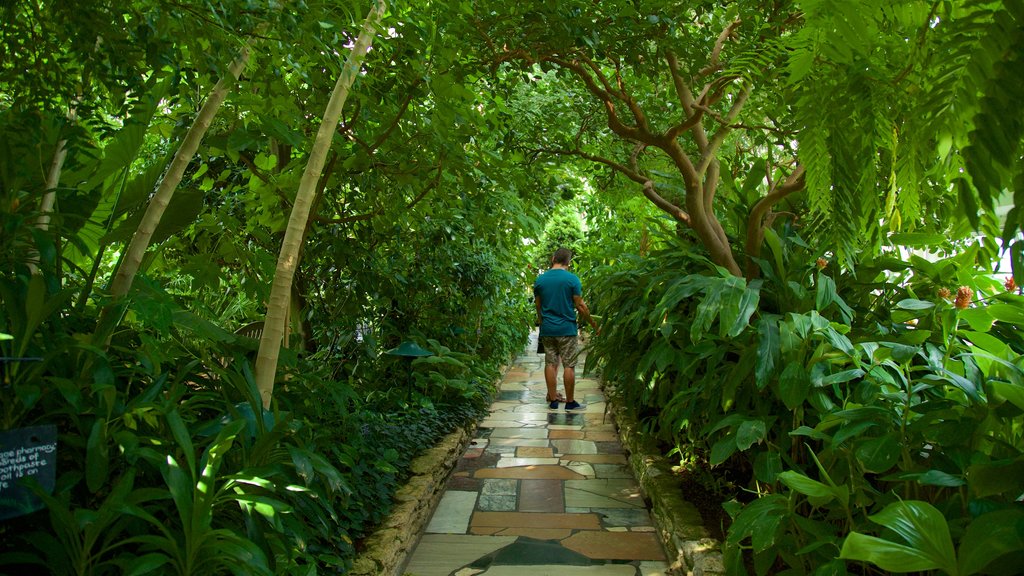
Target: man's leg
{"x": 551, "y": 379}
{"x": 570, "y": 350}
{"x": 569, "y": 381}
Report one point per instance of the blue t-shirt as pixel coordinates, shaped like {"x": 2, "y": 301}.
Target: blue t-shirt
{"x": 555, "y": 288}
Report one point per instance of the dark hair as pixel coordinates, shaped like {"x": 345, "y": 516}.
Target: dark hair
{"x": 562, "y": 256}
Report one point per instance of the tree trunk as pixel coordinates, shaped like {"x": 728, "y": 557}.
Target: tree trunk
{"x": 132, "y": 259}
{"x": 280, "y": 292}
{"x": 50, "y": 196}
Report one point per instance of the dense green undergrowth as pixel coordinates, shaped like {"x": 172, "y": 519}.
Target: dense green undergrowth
{"x": 167, "y": 463}
{"x": 862, "y": 423}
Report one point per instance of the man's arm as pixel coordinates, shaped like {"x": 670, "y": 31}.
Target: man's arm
{"x": 584, "y": 310}
{"x": 536, "y": 300}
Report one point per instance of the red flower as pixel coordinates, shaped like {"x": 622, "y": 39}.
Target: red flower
{"x": 821, "y": 262}
{"x": 944, "y": 293}
{"x": 1010, "y": 284}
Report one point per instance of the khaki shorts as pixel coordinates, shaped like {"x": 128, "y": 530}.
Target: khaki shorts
{"x": 564, "y": 348}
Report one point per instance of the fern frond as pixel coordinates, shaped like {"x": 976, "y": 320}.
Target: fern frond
{"x": 993, "y": 154}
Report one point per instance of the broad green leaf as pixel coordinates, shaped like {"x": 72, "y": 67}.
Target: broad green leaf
{"x": 810, "y": 433}
{"x": 940, "y": 478}
{"x": 1013, "y": 393}
{"x": 980, "y": 319}
{"x": 793, "y": 385}
{"x": 97, "y": 459}
{"x": 841, "y": 377}
{"x": 182, "y": 211}
{"x": 145, "y": 564}
{"x": 924, "y": 529}
{"x": 958, "y": 381}
{"x": 914, "y": 337}
{"x": 729, "y": 421}
{"x": 723, "y": 449}
{"x": 837, "y": 340}
{"x": 303, "y": 465}
{"x": 771, "y": 238}
{"x": 903, "y": 353}
{"x": 768, "y": 349}
{"x": 708, "y": 308}
{"x": 180, "y": 487}
{"x": 46, "y": 250}
{"x": 755, "y": 177}
{"x": 826, "y": 295}
{"x": 806, "y": 486}
{"x": 878, "y": 455}
{"x": 1008, "y": 313}
{"x": 914, "y": 304}
{"x": 768, "y": 466}
{"x": 995, "y": 478}
{"x": 917, "y": 239}
{"x": 334, "y": 478}
{"x": 739, "y": 318}
{"x": 39, "y": 306}
{"x": 986, "y": 342}
{"x": 850, "y": 430}
{"x": 886, "y": 555}
{"x": 201, "y": 327}
{"x": 761, "y": 517}
{"x": 990, "y": 536}
{"x": 749, "y": 433}
{"x": 184, "y": 439}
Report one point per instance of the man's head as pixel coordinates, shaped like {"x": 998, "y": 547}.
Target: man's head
{"x": 562, "y": 256}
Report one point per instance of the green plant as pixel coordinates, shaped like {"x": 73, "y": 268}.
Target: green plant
{"x": 993, "y": 542}
{"x": 823, "y": 419}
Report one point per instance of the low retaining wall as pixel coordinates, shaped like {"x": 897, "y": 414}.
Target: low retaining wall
{"x": 677, "y": 521}
{"x": 388, "y": 546}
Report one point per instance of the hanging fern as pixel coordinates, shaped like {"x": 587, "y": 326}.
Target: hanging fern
{"x": 993, "y": 154}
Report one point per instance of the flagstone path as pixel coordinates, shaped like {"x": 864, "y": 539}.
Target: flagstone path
{"x": 541, "y": 492}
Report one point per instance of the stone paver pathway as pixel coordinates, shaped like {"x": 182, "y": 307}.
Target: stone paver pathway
{"x": 541, "y": 492}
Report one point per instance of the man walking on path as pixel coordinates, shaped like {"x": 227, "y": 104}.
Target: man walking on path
{"x": 558, "y": 295}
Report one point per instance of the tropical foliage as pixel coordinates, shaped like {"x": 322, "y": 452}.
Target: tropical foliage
{"x": 168, "y": 460}
{"x": 788, "y": 215}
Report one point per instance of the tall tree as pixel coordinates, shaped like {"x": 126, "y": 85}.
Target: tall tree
{"x": 162, "y": 196}
{"x": 841, "y": 111}
{"x": 671, "y": 139}
{"x": 280, "y": 294}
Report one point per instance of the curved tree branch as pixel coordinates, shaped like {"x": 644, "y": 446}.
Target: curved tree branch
{"x": 402, "y": 108}
{"x": 756, "y": 221}
{"x": 713, "y": 63}
{"x": 686, "y": 99}
{"x": 708, "y": 153}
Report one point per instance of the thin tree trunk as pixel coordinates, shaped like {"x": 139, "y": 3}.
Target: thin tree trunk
{"x": 162, "y": 197}
{"x": 132, "y": 260}
{"x": 52, "y": 180}
{"x": 50, "y": 196}
{"x": 280, "y": 292}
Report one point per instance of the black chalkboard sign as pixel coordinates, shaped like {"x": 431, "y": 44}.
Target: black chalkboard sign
{"x": 26, "y": 452}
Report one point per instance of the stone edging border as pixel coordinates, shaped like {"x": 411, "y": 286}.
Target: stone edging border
{"x": 387, "y": 547}
{"x": 677, "y": 521}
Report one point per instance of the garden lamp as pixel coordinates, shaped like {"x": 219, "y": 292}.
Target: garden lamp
{"x": 409, "y": 350}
